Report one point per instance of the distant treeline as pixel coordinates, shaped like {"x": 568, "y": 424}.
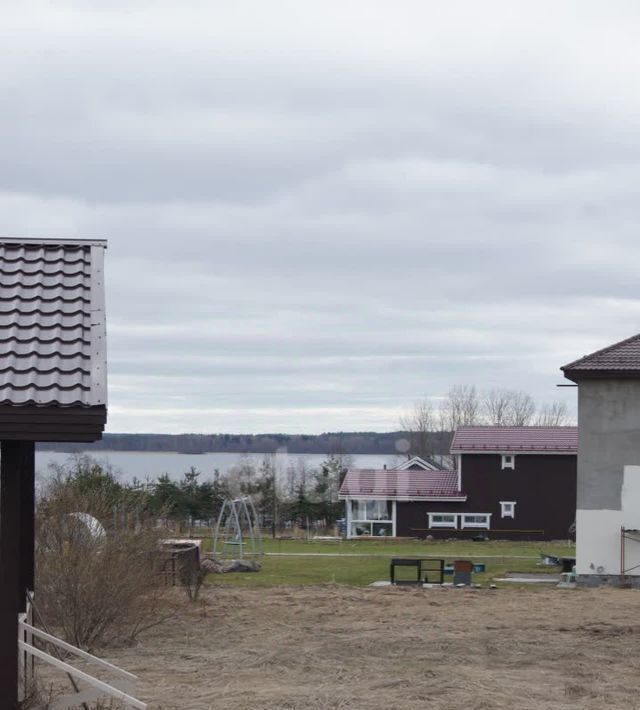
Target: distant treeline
{"x": 326, "y": 444}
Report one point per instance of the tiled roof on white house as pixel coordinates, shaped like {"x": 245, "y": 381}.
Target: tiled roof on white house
{"x": 392, "y": 484}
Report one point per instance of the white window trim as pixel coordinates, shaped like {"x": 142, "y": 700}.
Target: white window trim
{"x": 351, "y": 520}
{"x": 504, "y": 512}
{"x": 481, "y": 526}
{"x": 509, "y": 464}
{"x": 394, "y": 519}
{"x": 371, "y": 520}
{"x": 370, "y": 524}
{"x": 453, "y": 525}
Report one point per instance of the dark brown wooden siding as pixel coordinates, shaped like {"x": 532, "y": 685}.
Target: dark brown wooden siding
{"x": 543, "y": 487}
{"x": 51, "y": 423}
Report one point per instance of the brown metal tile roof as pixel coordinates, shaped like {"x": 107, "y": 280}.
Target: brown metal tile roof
{"x": 622, "y": 357}
{"x": 52, "y": 323}
{"x": 390, "y": 484}
{"x": 530, "y": 439}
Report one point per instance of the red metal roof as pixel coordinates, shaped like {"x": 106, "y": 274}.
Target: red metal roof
{"x": 619, "y": 357}
{"x": 366, "y": 482}
{"x": 534, "y": 439}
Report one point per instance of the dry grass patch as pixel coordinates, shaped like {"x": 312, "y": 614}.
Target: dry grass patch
{"x": 336, "y": 647}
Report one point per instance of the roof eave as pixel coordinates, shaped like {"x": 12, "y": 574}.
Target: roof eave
{"x": 575, "y": 375}
{"x": 530, "y": 452}
{"x": 576, "y": 364}
{"x": 403, "y": 499}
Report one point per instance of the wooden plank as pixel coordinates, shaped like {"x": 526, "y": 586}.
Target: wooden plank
{"x": 44, "y": 428}
{"x": 52, "y": 418}
{"x": 10, "y": 475}
{"x": 31, "y": 423}
{"x": 54, "y": 641}
{"x": 55, "y": 437}
{"x": 81, "y": 675}
{"x": 27, "y": 521}
{"x": 50, "y": 414}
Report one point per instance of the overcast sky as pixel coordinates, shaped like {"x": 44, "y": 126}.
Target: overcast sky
{"x": 319, "y": 212}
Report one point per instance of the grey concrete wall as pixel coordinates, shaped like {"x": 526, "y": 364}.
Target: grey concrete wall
{"x": 601, "y": 580}
{"x": 609, "y": 439}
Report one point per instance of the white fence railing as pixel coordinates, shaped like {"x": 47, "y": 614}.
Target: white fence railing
{"x": 120, "y": 686}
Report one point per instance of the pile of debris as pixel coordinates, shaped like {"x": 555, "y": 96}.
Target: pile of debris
{"x": 214, "y": 565}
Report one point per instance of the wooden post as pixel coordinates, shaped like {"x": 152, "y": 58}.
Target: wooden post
{"x": 27, "y": 522}
{"x": 10, "y": 596}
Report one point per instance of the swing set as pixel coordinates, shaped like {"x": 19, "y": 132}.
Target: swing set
{"x": 237, "y": 532}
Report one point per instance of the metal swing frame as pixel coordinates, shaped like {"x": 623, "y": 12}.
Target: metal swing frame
{"x": 229, "y": 539}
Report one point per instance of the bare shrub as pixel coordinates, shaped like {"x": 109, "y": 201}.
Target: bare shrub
{"x": 94, "y": 586}
{"x": 192, "y": 579}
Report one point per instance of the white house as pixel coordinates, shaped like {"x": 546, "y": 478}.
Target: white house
{"x": 372, "y": 495}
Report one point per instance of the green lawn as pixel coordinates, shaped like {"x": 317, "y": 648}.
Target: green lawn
{"x": 360, "y": 562}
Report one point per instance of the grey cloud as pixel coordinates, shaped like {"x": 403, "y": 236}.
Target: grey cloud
{"x": 316, "y": 216}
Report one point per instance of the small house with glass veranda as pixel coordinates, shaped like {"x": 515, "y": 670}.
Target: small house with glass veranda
{"x": 516, "y": 483}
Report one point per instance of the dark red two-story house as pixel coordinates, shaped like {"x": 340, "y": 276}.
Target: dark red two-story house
{"x": 515, "y": 483}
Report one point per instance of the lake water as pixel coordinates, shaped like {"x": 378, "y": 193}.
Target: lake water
{"x": 128, "y": 465}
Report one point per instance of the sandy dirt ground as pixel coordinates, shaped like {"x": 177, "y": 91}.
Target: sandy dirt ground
{"x": 336, "y": 647}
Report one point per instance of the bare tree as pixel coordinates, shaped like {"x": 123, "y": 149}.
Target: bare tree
{"x": 297, "y": 477}
{"x": 503, "y": 407}
{"x": 522, "y": 409}
{"x": 242, "y": 476}
{"x": 420, "y": 425}
{"x": 462, "y": 406}
{"x": 554, "y": 414}
{"x": 496, "y": 406}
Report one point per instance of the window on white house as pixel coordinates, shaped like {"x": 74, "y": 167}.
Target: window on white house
{"x": 370, "y": 510}
{"x": 371, "y": 517}
{"x": 443, "y": 520}
{"x": 508, "y": 461}
{"x": 359, "y": 509}
{"x": 508, "y": 508}
{"x": 476, "y": 520}
{"x": 371, "y": 529}
{"x": 381, "y": 529}
{"x": 378, "y": 510}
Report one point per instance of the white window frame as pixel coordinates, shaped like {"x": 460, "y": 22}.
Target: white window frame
{"x": 379, "y": 503}
{"x": 508, "y": 508}
{"x": 508, "y": 461}
{"x": 449, "y": 525}
{"x": 464, "y": 525}
{"x": 366, "y": 522}
{"x": 369, "y": 524}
